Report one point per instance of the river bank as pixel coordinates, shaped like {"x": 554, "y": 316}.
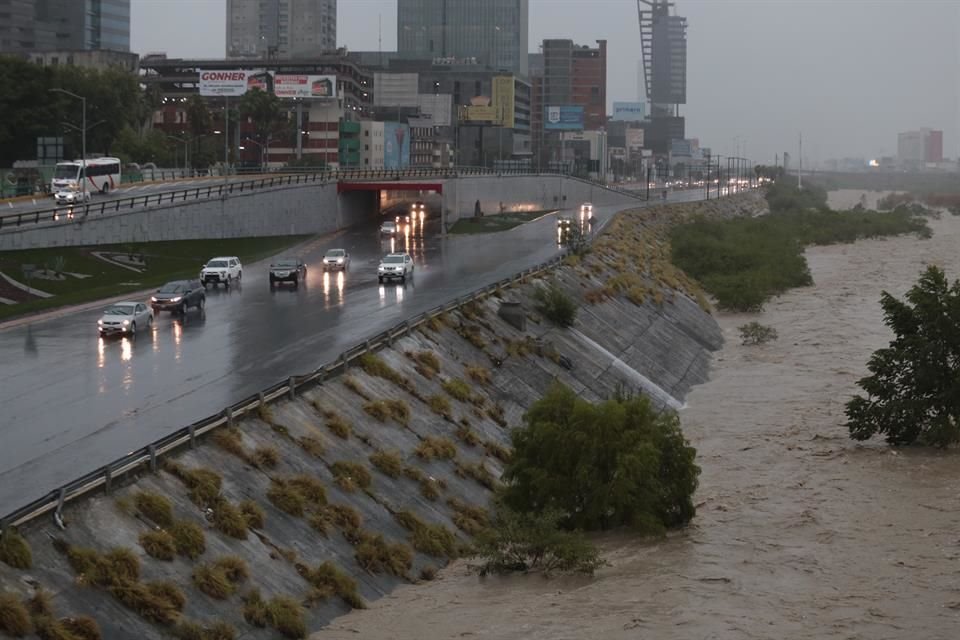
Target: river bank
{"x": 800, "y": 532}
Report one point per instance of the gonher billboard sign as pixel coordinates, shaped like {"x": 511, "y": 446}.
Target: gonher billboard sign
{"x": 304, "y": 86}
{"x": 234, "y": 83}
{"x": 563, "y": 118}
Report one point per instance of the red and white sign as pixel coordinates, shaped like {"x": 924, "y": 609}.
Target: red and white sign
{"x": 304, "y": 86}
{"x": 224, "y": 83}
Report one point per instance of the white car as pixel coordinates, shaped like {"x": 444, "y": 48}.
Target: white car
{"x": 388, "y": 228}
{"x": 336, "y": 260}
{"x": 395, "y": 266}
{"x": 124, "y": 318}
{"x": 69, "y": 196}
{"x": 223, "y": 270}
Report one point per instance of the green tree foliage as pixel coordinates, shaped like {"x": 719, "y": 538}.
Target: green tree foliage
{"x": 602, "y": 465}
{"x": 783, "y": 196}
{"x": 554, "y": 303}
{"x": 264, "y": 110}
{"x": 756, "y": 333}
{"x": 31, "y": 111}
{"x": 913, "y": 392}
{"x": 199, "y": 117}
{"x": 153, "y": 146}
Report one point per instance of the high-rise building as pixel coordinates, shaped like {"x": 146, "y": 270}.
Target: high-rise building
{"x": 281, "y": 28}
{"x": 576, "y": 75}
{"x": 663, "y": 40}
{"x": 494, "y": 32}
{"x": 65, "y": 25}
{"x": 917, "y": 147}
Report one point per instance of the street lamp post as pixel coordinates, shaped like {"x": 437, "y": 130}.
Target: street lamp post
{"x": 83, "y": 137}
{"x": 185, "y": 141}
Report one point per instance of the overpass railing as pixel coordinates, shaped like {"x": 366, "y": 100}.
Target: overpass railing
{"x": 73, "y": 213}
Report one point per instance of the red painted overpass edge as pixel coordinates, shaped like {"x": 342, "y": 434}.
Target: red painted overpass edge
{"x": 389, "y": 186}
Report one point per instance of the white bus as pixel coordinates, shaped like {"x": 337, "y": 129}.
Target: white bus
{"x": 103, "y": 174}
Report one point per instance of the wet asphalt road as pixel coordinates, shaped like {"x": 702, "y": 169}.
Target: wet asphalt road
{"x": 72, "y": 402}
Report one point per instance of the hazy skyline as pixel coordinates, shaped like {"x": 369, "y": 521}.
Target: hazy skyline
{"x": 849, "y": 74}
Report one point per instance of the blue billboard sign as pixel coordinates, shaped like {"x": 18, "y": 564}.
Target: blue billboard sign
{"x": 396, "y": 145}
{"x": 565, "y": 118}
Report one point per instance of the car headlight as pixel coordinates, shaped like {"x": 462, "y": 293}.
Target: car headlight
{"x": 177, "y": 299}
{"x": 126, "y": 322}
{"x": 100, "y": 322}
{"x": 339, "y": 260}
{"x": 153, "y": 298}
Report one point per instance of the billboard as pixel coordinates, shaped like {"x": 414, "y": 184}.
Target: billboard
{"x": 234, "y": 83}
{"x": 478, "y": 113}
{"x": 503, "y": 97}
{"x": 396, "y": 145}
{"x": 437, "y": 106}
{"x": 563, "y": 118}
{"x": 629, "y": 111}
{"x": 304, "y": 86}
{"x": 634, "y": 139}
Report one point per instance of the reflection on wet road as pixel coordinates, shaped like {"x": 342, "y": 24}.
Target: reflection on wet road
{"x": 72, "y": 402}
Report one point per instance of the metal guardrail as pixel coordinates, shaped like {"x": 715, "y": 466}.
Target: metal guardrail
{"x": 67, "y": 214}
{"x": 148, "y": 457}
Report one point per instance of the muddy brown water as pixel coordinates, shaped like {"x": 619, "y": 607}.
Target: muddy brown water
{"x": 800, "y": 532}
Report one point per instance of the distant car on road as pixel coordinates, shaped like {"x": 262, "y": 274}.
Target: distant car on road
{"x": 395, "y": 266}
{"x": 336, "y": 260}
{"x": 388, "y": 228}
{"x": 288, "y": 270}
{"x": 124, "y": 318}
{"x": 223, "y": 270}
{"x": 69, "y": 196}
{"x": 179, "y": 296}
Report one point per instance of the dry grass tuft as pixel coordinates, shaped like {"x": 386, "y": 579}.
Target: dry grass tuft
{"x": 432, "y": 539}
{"x": 441, "y": 448}
{"x": 338, "y": 425}
{"x": 427, "y": 363}
{"x": 389, "y": 463}
{"x": 376, "y": 555}
{"x": 229, "y": 520}
{"x": 220, "y": 578}
{"x": 495, "y": 412}
{"x": 14, "y": 617}
{"x": 467, "y": 435}
{"x": 188, "y": 538}
{"x": 265, "y": 457}
{"x": 497, "y": 450}
{"x": 159, "y": 544}
{"x": 231, "y": 441}
{"x": 354, "y": 385}
{"x": 381, "y": 410}
{"x": 155, "y": 507}
{"x": 15, "y": 550}
{"x": 217, "y": 630}
{"x": 375, "y": 366}
{"x": 328, "y": 580}
{"x": 429, "y": 489}
{"x": 253, "y": 514}
{"x": 458, "y": 389}
{"x": 351, "y": 475}
{"x": 294, "y": 495}
{"x": 312, "y": 445}
{"x": 428, "y": 573}
{"x": 439, "y": 405}
{"x": 472, "y": 334}
{"x": 203, "y": 484}
{"x": 80, "y": 628}
{"x": 265, "y": 413}
{"x": 479, "y": 473}
{"x": 282, "y": 613}
{"x": 479, "y": 374}
{"x": 469, "y": 519}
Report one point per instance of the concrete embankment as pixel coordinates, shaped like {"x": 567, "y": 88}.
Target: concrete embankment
{"x": 383, "y": 472}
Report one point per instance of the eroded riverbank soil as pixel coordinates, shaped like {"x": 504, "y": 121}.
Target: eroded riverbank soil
{"x": 800, "y": 532}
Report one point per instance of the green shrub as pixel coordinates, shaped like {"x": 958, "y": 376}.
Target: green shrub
{"x": 555, "y": 305}
{"x": 604, "y": 465}
{"x": 14, "y": 617}
{"x": 458, "y": 389}
{"x": 376, "y": 555}
{"x": 756, "y": 333}
{"x": 328, "y": 580}
{"x": 253, "y": 514}
{"x": 188, "y": 538}
{"x": 432, "y": 539}
{"x": 525, "y": 542}
{"x": 431, "y": 447}
{"x": 154, "y": 507}
{"x": 14, "y": 550}
{"x": 158, "y": 544}
{"x": 389, "y": 463}
{"x": 350, "y": 475}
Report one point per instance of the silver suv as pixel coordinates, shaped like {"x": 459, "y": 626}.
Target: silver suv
{"x": 397, "y": 266}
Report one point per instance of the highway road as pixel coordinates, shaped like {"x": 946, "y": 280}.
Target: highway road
{"x": 72, "y": 402}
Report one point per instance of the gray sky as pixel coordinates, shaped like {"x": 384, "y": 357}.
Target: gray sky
{"x": 849, "y": 74}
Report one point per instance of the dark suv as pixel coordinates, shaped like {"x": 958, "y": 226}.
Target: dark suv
{"x": 178, "y": 296}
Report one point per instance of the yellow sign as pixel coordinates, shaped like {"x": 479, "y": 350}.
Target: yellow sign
{"x": 476, "y": 113}
{"x": 503, "y": 99}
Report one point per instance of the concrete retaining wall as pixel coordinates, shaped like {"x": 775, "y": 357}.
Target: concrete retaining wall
{"x": 296, "y": 210}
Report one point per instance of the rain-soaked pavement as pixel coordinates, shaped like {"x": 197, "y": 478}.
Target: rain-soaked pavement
{"x": 72, "y": 402}
{"x": 800, "y": 533}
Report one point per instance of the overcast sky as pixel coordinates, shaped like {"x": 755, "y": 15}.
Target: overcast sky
{"x": 849, "y": 74}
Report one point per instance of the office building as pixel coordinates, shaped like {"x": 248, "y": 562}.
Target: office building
{"x": 576, "y": 75}
{"x": 493, "y": 32}
{"x": 663, "y": 40}
{"x": 915, "y": 148}
{"x": 74, "y": 25}
{"x": 281, "y": 28}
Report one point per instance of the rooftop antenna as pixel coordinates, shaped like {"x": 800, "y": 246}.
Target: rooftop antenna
{"x": 380, "y": 38}
{"x": 800, "y": 169}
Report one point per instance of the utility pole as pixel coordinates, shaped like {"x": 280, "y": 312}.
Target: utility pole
{"x": 83, "y": 139}
{"x": 299, "y": 128}
{"x": 800, "y": 167}
{"x": 226, "y": 136}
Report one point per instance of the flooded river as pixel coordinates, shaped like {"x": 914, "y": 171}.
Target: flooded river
{"x": 800, "y": 533}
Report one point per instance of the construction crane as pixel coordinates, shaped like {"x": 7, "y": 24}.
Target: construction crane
{"x": 655, "y": 9}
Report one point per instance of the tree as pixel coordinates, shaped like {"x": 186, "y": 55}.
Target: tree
{"x": 198, "y": 116}
{"x": 264, "y": 110}
{"x": 603, "y": 465}
{"x": 913, "y": 394}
